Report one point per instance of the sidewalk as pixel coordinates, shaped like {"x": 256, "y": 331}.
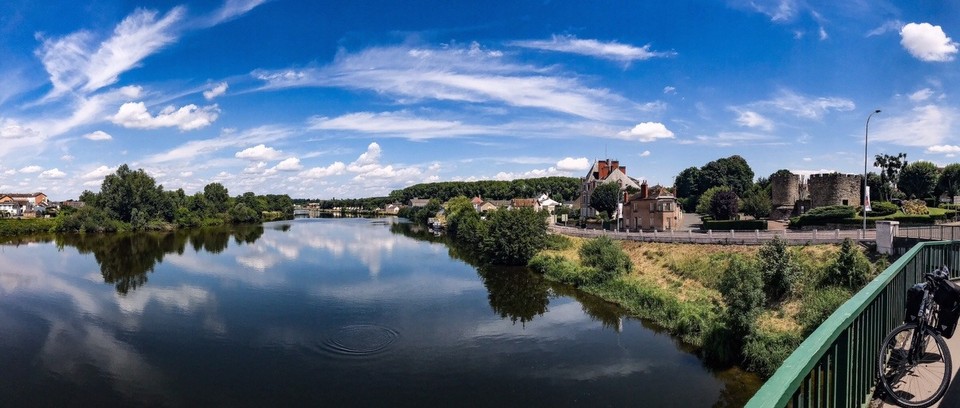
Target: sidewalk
{"x": 723, "y": 237}
{"x": 952, "y": 397}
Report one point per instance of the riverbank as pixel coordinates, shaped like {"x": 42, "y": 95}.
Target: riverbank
{"x": 678, "y": 286}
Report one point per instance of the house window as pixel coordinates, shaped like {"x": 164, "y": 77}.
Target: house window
{"x": 845, "y": 202}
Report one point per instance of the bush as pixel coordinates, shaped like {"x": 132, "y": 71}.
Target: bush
{"x": 779, "y": 270}
{"x": 824, "y": 215}
{"x": 818, "y": 305}
{"x": 26, "y": 226}
{"x": 764, "y": 352}
{"x": 736, "y": 225}
{"x": 703, "y": 203}
{"x": 915, "y": 207}
{"x": 559, "y": 269}
{"x": 606, "y": 256}
{"x": 742, "y": 289}
{"x": 882, "y": 208}
{"x": 851, "y": 268}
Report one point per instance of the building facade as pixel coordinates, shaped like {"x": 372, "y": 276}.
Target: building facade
{"x": 659, "y": 211}
{"x": 603, "y": 171}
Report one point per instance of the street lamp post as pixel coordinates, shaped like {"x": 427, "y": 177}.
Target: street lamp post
{"x": 866, "y": 138}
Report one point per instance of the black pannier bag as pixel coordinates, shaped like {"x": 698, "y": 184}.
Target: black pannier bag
{"x": 914, "y": 298}
{"x": 947, "y": 297}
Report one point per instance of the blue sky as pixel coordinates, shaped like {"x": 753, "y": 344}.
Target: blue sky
{"x": 358, "y": 98}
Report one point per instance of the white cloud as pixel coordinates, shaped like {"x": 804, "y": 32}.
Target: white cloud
{"x": 259, "y": 153}
{"x": 53, "y": 174}
{"x": 291, "y": 164}
{"x": 371, "y": 157}
{"x": 196, "y": 148}
{"x": 255, "y": 168}
{"x": 927, "y": 42}
{"x": 232, "y": 9}
{"x": 98, "y": 136}
{"x": 216, "y": 91}
{"x": 927, "y": 125}
{"x": 571, "y": 164}
{"x": 83, "y": 61}
{"x": 669, "y": 90}
{"x": 804, "y": 107}
{"x": 892, "y": 25}
{"x": 594, "y": 48}
{"x": 535, "y": 173}
{"x": 97, "y": 173}
{"x": 31, "y": 169}
{"x": 334, "y": 169}
{"x": 753, "y": 119}
{"x": 455, "y": 73}
{"x": 647, "y": 132}
{"x": 944, "y": 149}
{"x": 189, "y": 117}
{"x": 646, "y": 153}
{"x": 779, "y": 11}
{"x": 10, "y": 129}
{"x": 398, "y": 123}
{"x": 921, "y": 95}
{"x": 736, "y": 138}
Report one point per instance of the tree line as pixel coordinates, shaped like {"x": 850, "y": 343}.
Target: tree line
{"x": 559, "y": 188}
{"x": 132, "y": 200}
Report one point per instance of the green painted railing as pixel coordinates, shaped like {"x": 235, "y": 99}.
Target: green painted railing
{"x": 836, "y": 365}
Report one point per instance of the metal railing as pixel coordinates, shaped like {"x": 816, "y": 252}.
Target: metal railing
{"x": 931, "y": 232}
{"x": 836, "y": 365}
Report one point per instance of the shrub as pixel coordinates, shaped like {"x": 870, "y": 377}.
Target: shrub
{"x": 764, "y": 352}
{"x": 818, "y": 305}
{"x": 559, "y": 269}
{"x": 824, "y": 215}
{"x": 851, "y": 268}
{"x": 882, "y": 208}
{"x": 606, "y": 256}
{"x": 703, "y": 203}
{"x": 779, "y": 270}
{"x": 742, "y": 289}
{"x": 915, "y": 207}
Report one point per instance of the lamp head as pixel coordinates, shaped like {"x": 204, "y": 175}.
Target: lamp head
{"x": 876, "y": 111}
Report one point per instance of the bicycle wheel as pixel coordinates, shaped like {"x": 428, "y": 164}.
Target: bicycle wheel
{"x": 914, "y": 373}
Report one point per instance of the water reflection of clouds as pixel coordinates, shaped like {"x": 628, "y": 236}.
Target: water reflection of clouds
{"x": 564, "y": 320}
{"x": 420, "y": 287}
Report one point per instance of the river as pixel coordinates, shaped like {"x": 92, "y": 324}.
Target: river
{"x": 320, "y": 312}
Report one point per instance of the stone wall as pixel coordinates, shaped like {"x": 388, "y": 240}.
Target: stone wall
{"x": 834, "y": 189}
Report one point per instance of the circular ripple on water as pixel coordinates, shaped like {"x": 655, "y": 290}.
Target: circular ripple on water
{"x": 361, "y": 340}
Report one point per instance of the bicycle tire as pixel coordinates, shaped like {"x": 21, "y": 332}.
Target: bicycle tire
{"x": 909, "y": 384}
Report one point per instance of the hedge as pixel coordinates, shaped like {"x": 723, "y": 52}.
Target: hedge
{"x": 736, "y": 225}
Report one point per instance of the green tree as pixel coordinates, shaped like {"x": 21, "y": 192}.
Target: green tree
{"x": 126, "y": 190}
{"x": 513, "y": 237}
{"x": 605, "y": 198}
{"x": 732, "y": 171}
{"x": 757, "y": 203}
{"x": 918, "y": 179}
{"x": 780, "y": 271}
{"x": 216, "y": 198}
{"x": 851, "y": 269}
{"x": 724, "y": 205}
{"x": 606, "y": 257}
{"x": 950, "y": 179}
{"x": 703, "y": 205}
{"x": 890, "y": 168}
{"x": 241, "y": 214}
{"x": 458, "y": 209}
{"x": 741, "y": 286}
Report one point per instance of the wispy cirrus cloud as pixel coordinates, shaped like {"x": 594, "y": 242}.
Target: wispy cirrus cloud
{"x": 751, "y": 119}
{"x": 86, "y": 62}
{"x": 455, "y": 73}
{"x": 610, "y": 50}
{"x": 925, "y": 126}
{"x": 792, "y": 103}
{"x": 228, "y": 139}
{"x": 402, "y": 124}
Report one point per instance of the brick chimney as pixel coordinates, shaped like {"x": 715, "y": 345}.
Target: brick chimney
{"x": 604, "y": 169}
{"x": 644, "y": 190}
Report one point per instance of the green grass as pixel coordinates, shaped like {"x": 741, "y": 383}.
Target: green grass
{"x": 14, "y": 226}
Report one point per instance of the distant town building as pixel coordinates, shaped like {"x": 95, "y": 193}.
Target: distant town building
{"x": 652, "y": 209}
{"x": 23, "y": 204}
{"x": 603, "y": 171}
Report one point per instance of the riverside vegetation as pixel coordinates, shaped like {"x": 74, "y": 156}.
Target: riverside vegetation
{"x": 132, "y": 201}
{"x": 737, "y": 304}
{"x": 748, "y": 305}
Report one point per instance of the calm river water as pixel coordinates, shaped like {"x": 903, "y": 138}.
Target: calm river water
{"x": 319, "y": 312}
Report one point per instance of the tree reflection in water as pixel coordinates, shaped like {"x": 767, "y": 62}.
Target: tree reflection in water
{"x": 126, "y": 258}
{"x": 515, "y": 293}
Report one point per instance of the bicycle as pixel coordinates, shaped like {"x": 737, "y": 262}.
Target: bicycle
{"x": 914, "y": 364}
